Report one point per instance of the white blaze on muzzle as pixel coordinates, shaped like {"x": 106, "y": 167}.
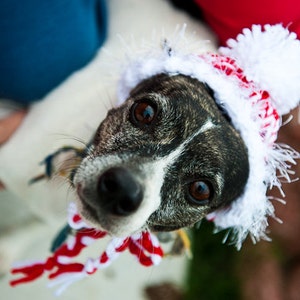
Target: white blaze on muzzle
{"x": 256, "y": 79}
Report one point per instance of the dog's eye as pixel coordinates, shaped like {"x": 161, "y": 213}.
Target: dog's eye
{"x": 143, "y": 113}
{"x": 200, "y": 192}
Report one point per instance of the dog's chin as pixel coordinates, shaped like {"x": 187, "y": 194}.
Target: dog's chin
{"x": 163, "y": 228}
{"x": 113, "y": 225}
{"x": 168, "y": 226}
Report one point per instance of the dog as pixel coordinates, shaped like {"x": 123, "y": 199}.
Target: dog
{"x": 162, "y": 160}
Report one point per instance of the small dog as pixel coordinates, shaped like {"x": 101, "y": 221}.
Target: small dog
{"x": 162, "y": 160}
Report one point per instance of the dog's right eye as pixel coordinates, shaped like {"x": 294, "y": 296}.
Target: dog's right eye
{"x": 143, "y": 113}
{"x": 200, "y": 192}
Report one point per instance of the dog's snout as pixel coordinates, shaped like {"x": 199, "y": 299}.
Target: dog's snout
{"x": 118, "y": 191}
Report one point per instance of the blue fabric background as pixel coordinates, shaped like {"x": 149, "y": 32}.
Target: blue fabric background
{"x": 44, "y": 41}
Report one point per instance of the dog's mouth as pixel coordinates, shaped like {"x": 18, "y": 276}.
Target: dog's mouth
{"x": 87, "y": 211}
{"x": 109, "y": 222}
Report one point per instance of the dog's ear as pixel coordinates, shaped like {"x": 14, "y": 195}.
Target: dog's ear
{"x": 236, "y": 166}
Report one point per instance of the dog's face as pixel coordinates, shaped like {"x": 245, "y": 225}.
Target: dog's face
{"x": 162, "y": 160}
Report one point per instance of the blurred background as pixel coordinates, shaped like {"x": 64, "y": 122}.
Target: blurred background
{"x": 265, "y": 271}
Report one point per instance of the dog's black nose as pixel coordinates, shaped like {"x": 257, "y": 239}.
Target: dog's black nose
{"x": 118, "y": 192}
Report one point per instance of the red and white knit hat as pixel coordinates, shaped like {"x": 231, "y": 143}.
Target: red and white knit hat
{"x": 256, "y": 79}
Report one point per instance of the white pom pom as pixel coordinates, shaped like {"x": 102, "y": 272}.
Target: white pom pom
{"x": 270, "y": 57}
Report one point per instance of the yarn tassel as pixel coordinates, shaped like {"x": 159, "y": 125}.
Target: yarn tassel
{"x": 64, "y": 272}
{"x": 59, "y": 260}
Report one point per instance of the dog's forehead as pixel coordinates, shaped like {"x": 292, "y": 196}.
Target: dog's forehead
{"x": 185, "y": 94}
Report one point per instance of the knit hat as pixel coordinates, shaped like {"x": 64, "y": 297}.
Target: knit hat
{"x": 255, "y": 79}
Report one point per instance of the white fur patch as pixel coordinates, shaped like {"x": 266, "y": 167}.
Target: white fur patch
{"x": 208, "y": 125}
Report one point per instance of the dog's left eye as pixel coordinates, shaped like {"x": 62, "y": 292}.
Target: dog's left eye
{"x": 200, "y": 192}
{"x": 143, "y": 113}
